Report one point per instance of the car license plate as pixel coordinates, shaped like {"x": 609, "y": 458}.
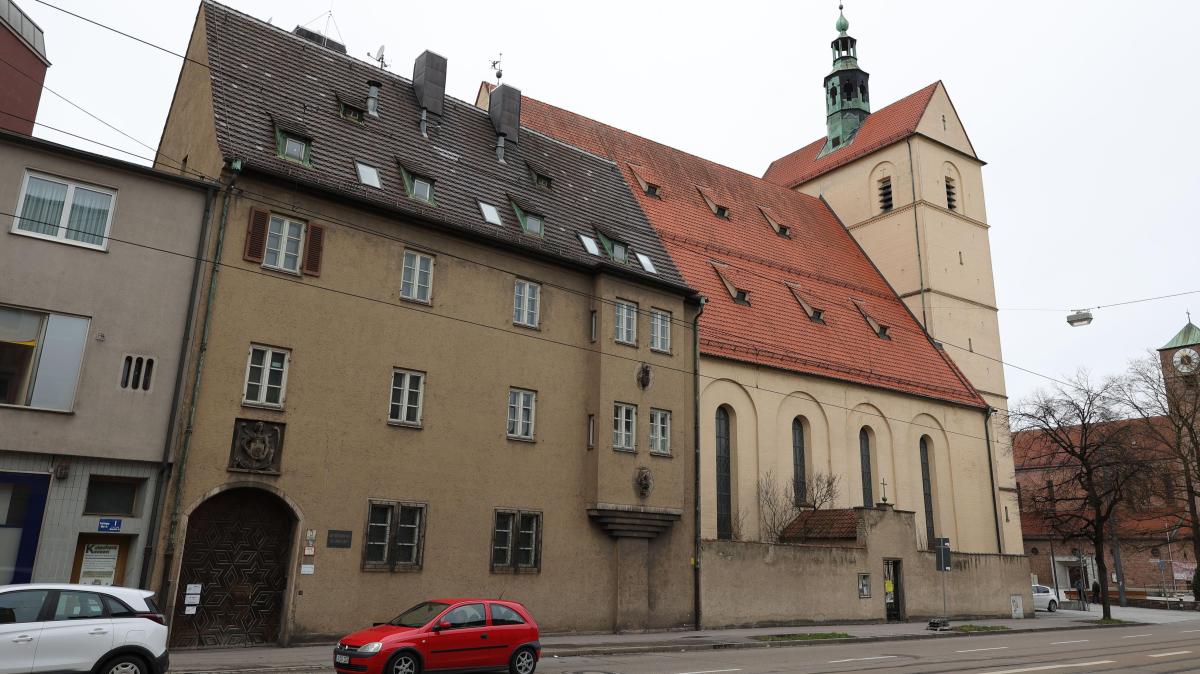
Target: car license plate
{"x": 342, "y": 659}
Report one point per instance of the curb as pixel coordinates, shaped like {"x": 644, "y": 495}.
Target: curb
{"x": 604, "y": 650}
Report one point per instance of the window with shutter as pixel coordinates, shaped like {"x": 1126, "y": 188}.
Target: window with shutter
{"x": 314, "y": 247}
{"x": 256, "y": 235}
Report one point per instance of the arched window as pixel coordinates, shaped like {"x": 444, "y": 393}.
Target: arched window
{"x": 864, "y": 458}
{"x": 799, "y": 468}
{"x": 927, "y": 489}
{"x": 724, "y": 486}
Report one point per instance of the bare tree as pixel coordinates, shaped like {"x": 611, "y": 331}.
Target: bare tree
{"x": 1166, "y": 407}
{"x": 1088, "y": 460}
{"x": 780, "y": 504}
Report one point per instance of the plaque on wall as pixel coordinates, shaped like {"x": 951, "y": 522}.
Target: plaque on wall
{"x": 338, "y": 539}
{"x": 257, "y": 446}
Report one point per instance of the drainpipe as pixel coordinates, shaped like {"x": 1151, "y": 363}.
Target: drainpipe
{"x": 696, "y": 460}
{"x": 177, "y": 490}
{"x": 912, "y": 175}
{"x": 164, "y": 467}
{"x": 987, "y": 435}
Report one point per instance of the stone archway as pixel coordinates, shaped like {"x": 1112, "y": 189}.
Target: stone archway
{"x": 237, "y": 552}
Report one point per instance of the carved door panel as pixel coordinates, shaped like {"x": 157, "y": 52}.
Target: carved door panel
{"x": 236, "y": 552}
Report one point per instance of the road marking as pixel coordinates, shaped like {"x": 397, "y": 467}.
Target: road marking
{"x": 712, "y": 671}
{"x": 1077, "y": 641}
{"x": 1046, "y": 667}
{"x": 1135, "y": 636}
{"x": 877, "y": 657}
{"x": 1186, "y": 631}
{"x": 976, "y": 650}
{"x": 1167, "y": 655}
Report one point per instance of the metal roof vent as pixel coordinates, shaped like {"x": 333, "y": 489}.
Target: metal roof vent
{"x": 505, "y": 110}
{"x": 315, "y": 37}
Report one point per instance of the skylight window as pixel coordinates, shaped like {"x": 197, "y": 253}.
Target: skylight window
{"x": 491, "y": 214}
{"x": 368, "y": 175}
{"x": 589, "y": 244}
{"x": 647, "y": 263}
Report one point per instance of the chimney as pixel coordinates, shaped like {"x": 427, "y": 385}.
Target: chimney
{"x": 317, "y": 38}
{"x": 429, "y": 83}
{"x": 505, "y": 110}
{"x": 24, "y": 46}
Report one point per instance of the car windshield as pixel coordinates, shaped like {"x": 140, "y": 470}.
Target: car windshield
{"x": 418, "y": 615}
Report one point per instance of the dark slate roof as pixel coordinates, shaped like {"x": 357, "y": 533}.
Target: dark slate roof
{"x": 263, "y": 77}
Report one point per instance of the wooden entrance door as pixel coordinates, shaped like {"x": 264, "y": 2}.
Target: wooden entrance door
{"x": 234, "y": 571}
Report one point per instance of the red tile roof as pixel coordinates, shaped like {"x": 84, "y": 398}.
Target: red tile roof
{"x": 889, "y": 125}
{"x": 840, "y": 524}
{"x": 820, "y": 258}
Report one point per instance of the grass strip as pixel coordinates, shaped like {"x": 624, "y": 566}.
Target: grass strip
{"x": 979, "y": 628}
{"x": 806, "y": 636}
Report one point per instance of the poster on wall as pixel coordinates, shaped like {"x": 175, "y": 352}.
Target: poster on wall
{"x": 99, "y": 564}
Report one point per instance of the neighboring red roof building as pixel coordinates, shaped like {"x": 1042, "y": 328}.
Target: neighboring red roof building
{"x": 716, "y": 223}
{"x": 838, "y": 525}
{"x": 882, "y": 128}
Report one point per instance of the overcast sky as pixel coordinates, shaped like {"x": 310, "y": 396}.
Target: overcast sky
{"x": 1083, "y": 111}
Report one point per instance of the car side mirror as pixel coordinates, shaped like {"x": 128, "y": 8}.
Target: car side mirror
{"x": 441, "y": 625}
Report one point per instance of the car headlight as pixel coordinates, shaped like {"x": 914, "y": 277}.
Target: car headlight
{"x": 373, "y": 647}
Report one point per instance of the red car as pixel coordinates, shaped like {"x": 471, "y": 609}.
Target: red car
{"x": 445, "y": 635}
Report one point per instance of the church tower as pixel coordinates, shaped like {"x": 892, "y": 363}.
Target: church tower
{"x": 847, "y": 99}
{"x": 1180, "y": 360}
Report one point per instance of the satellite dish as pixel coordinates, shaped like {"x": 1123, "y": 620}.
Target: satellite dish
{"x": 378, "y": 56}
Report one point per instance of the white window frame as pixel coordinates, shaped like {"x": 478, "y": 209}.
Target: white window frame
{"x": 280, "y": 265}
{"x": 44, "y": 338}
{"x": 407, "y": 389}
{"x": 524, "y": 399}
{"x": 366, "y": 171}
{"x": 660, "y": 330}
{"x": 415, "y": 294}
{"x": 625, "y": 427}
{"x": 68, "y": 203}
{"x": 428, "y": 183}
{"x": 589, "y": 244}
{"x": 304, "y": 147}
{"x": 491, "y": 217}
{"x": 646, "y": 263}
{"x": 660, "y": 432}
{"x": 268, "y": 351}
{"x": 527, "y": 303}
{"x": 625, "y": 323}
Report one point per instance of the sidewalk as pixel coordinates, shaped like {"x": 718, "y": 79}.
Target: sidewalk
{"x": 319, "y": 657}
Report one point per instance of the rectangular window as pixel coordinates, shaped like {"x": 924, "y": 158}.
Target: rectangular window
{"x": 660, "y": 330}
{"x": 660, "y": 432}
{"x": 284, "y": 239}
{"x": 293, "y": 147}
{"x": 591, "y": 431}
{"x": 526, "y": 298}
{"x": 589, "y": 244}
{"x": 64, "y": 210}
{"x": 408, "y": 391}
{"x": 516, "y": 542}
{"x": 422, "y": 188}
{"x": 111, "y": 496}
{"x": 534, "y": 224}
{"x": 395, "y": 537}
{"x": 521, "y": 413}
{"x": 40, "y": 357}
{"x": 417, "y": 276}
{"x": 594, "y": 326}
{"x": 137, "y": 373}
{"x": 626, "y": 322}
{"x": 491, "y": 214}
{"x": 266, "y": 376}
{"x": 625, "y": 426}
{"x": 647, "y": 263}
{"x": 368, "y": 175}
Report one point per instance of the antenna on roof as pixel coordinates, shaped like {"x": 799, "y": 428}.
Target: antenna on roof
{"x": 496, "y": 67}
{"x": 378, "y": 56}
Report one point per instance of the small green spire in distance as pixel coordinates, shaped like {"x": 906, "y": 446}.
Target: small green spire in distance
{"x": 842, "y": 24}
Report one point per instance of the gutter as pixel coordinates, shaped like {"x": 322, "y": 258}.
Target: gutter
{"x": 912, "y": 174}
{"x": 177, "y": 490}
{"x": 696, "y": 461}
{"x": 987, "y": 435}
{"x": 164, "y": 467}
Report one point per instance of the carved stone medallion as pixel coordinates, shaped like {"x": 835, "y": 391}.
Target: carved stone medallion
{"x": 257, "y": 446}
{"x": 643, "y": 481}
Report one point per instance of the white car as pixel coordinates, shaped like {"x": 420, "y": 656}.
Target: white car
{"x": 1044, "y": 599}
{"x": 80, "y": 628}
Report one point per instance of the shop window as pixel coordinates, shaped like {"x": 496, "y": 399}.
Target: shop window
{"x": 111, "y": 496}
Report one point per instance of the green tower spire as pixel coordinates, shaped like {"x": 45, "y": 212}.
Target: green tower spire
{"x": 847, "y": 97}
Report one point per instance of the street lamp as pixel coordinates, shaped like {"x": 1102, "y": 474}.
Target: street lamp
{"x": 1079, "y": 318}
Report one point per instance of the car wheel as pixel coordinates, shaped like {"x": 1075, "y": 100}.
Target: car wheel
{"x": 404, "y": 663}
{"x": 1052, "y": 607}
{"x": 522, "y": 662}
{"x": 125, "y": 664}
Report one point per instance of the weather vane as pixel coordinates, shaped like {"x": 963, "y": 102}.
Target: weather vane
{"x": 496, "y": 67}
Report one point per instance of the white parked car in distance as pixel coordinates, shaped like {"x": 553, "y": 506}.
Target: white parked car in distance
{"x": 80, "y": 628}
{"x": 1044, "y": 599}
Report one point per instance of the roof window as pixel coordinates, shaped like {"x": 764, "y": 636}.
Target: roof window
{"x": 292, "y": 146}
{"x": 368, "y": 175}
{"x": 709, "y": 198}
{"x": 780, "y": 228}
{"x": 617, "y": 250}
{"x": 491, "y": 214}
{"x": 646, "y": 180}
{"x": 814, "y": 314}
{"x": 352, "y": 112}
{"x": 418, "y": 186}
{"x": 373, "y": 98}
{"x": 729, "y": 279}
{"x": 653, "y": 190}
{"x": 589, "y": 244}
{"x": 880, "y": 329}
{"x": 531, "y": 223}
{"x": 541, "y": 180}
{"x": 647, "y": 263}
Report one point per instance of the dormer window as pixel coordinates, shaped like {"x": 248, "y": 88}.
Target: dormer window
{"x": 814, "y": 314}
{"x": 373, "y": 98}
{"x": 491, "y": 214}
{"x": 647, "y": 181}
{"x": 541, "y": 180}
{"x": 653, "y": 190}
{"x": 617, "y": 250}
{"x": 418, "y": 186}
{"x": 722, "y": 212}
{"x": 352, "y": 112}
{"x": 881, "y": 331}
{"x": 293, "y": 147}
{"x": 531, "y": 223}
{"x": 368, "y": 175}
{"x": 780, "y": 228}
{"x": 730, "y": 281}
{"x": 710, "y": 199}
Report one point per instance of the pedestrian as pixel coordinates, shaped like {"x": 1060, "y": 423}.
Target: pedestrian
{"x": 1096, "y": 592}
{"x": 1080, "y": 587}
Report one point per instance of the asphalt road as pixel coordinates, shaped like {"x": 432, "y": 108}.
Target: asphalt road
{"x": 1153, "y": 648}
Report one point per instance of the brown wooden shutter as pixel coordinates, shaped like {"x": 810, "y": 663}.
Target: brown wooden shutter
{"x": 313, "y": 249}
{"x": 256, "y": 235}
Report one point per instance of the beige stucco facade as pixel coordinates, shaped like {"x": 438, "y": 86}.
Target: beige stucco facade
{"x": 938, "y": 259}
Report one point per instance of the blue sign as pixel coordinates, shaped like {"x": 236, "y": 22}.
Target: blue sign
{"x": 109, "y": 525}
